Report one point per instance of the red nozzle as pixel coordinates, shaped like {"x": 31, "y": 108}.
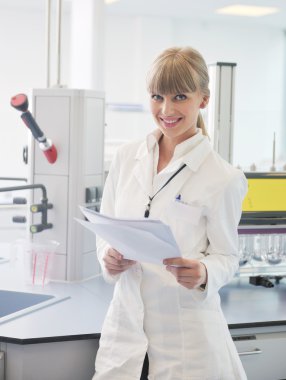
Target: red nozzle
{"x": 20, "y": 102}
{"x": 51, "y": 154}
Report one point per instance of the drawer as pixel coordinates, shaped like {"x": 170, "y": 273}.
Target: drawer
{"x": 262, "y": 355}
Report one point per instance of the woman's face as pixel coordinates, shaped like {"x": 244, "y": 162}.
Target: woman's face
{"x": 176, "y": 114}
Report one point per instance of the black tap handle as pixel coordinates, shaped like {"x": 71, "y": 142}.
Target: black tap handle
{"x": 31, "y": 123}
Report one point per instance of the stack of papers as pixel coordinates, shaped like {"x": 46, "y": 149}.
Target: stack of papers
{"x": 142, "y": 240}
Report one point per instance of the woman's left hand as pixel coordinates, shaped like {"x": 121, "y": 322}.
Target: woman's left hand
{"x": 189, "y": 273}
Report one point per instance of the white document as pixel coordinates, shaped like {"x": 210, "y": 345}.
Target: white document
{"x": 143, "y": 240}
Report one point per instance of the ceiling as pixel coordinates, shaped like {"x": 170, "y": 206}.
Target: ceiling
{"x": 203, "y": 10}
{"x": 199, "y": 10}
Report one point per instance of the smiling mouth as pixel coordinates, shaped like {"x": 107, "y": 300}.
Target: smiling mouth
{"x": 170, "y": 122}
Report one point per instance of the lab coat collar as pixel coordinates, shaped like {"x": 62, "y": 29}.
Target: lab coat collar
{"x": 192, "y": 151}
{"x": 152, "y": 139}
{"x": 197, "y": 149}
{"x": 148, "y": 145}
{"x": 143, "y": 170}
{"x": 198, "y": 154}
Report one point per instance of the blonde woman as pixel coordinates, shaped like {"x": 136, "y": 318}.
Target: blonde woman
{"x": 172, "y": 311}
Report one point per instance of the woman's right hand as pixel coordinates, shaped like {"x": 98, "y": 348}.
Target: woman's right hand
{"x": 115, "y": 262}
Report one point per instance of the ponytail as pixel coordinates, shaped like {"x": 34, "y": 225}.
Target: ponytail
{"x": 201, "y": 125}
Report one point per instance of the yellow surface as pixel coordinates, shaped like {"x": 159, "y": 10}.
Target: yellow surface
{"x": 265, "y": 195}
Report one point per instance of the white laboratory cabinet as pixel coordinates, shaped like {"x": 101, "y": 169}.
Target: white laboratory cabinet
{"x": 74, "y": 121}
{"x": 70, "y": 360}
{"x": 262, "y": 352}
{"x": 60, "y": 342}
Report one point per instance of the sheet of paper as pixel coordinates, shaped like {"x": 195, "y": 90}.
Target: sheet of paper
{"x": 160, "y": 229}
{"x": 137, "y": 239}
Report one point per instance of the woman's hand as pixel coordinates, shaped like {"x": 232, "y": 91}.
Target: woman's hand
{"x": 115, "y": 262}
{"x": 189, "y": 273}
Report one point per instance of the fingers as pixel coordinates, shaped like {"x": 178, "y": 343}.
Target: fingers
{"x": 181, "y": 262}
{"x": 115, "y": 262}
{"x": 185, "y": 275}
{"x": 113, "y": 253}
{"x": 190, "y": 274}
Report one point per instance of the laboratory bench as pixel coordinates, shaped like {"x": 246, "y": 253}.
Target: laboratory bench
{"x": 59, "y": 341}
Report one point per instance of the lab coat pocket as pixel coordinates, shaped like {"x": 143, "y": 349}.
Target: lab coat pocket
{"x": 187, "y": 212}
{"x": 185, "y": 221}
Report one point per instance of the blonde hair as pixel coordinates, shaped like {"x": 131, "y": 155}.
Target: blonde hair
{"x": 179, "y": 70}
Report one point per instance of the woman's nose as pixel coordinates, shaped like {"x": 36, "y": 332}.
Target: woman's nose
{"x": 167, "y": 108}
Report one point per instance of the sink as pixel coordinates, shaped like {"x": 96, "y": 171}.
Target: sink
{"x": 16, "y": 304}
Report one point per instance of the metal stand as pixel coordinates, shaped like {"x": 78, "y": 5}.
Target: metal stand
{"x": 221, "y": 108}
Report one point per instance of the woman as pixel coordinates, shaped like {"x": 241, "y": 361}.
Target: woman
{"x": 172, "y": 311}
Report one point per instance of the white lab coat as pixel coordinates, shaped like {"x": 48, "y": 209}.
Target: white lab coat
{"x": 183, "y": 330}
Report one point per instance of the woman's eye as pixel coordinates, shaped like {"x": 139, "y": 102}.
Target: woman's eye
{"x": 156, "y": 97}
{"x": 180, "y": 97}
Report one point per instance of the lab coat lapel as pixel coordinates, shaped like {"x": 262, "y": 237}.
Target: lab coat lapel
{"x": 174, "y": 187}
{"x": 143, "y": 170}
{"x": 194, "y": 159}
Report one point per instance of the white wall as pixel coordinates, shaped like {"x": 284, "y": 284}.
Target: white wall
{"x": 21, "y": 67}
{"x": 130, "y": 46}
{"x": 132, "y": 43}
{"x": 259, "y": 54}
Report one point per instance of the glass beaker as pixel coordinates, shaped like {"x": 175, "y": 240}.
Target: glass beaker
{"x": 260, "y": 247}
{"x": 274, "y": 254}
{"x": 38, "y": 261}
{"x": 283, "y": 245}
{"x": 243, "y": 249}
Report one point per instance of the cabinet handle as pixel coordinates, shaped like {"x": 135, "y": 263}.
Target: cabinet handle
{"x": 256, "y": 351}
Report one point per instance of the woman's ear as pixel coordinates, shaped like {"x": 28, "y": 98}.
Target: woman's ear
{"x": 205, "y": 101}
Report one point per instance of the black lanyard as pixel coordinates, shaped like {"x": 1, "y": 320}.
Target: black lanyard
{"x": 147, "y": 211}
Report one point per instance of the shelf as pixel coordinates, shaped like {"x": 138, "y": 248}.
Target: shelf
{"x": 125, "y": 107}
{"x": 263, "y": 268}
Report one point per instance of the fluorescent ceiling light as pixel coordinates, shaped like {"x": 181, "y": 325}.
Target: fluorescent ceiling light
{"x": 247, "y": 10}
{"x": 110, "y": 1}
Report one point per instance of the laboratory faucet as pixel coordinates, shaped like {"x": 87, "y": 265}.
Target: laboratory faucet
{"x": 17, "y": 200}
{"x": 35, "y": 208}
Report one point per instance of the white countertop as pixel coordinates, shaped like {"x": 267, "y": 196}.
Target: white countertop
{"x": 246, "y": 305}
{"x": 81, "y": 316}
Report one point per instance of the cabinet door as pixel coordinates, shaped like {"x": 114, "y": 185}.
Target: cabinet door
{"x": 72, "y": 360}
{"x": 263, "y": 356}
{"x": 2, "y": 365}
{"x": 93, "y": 136}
